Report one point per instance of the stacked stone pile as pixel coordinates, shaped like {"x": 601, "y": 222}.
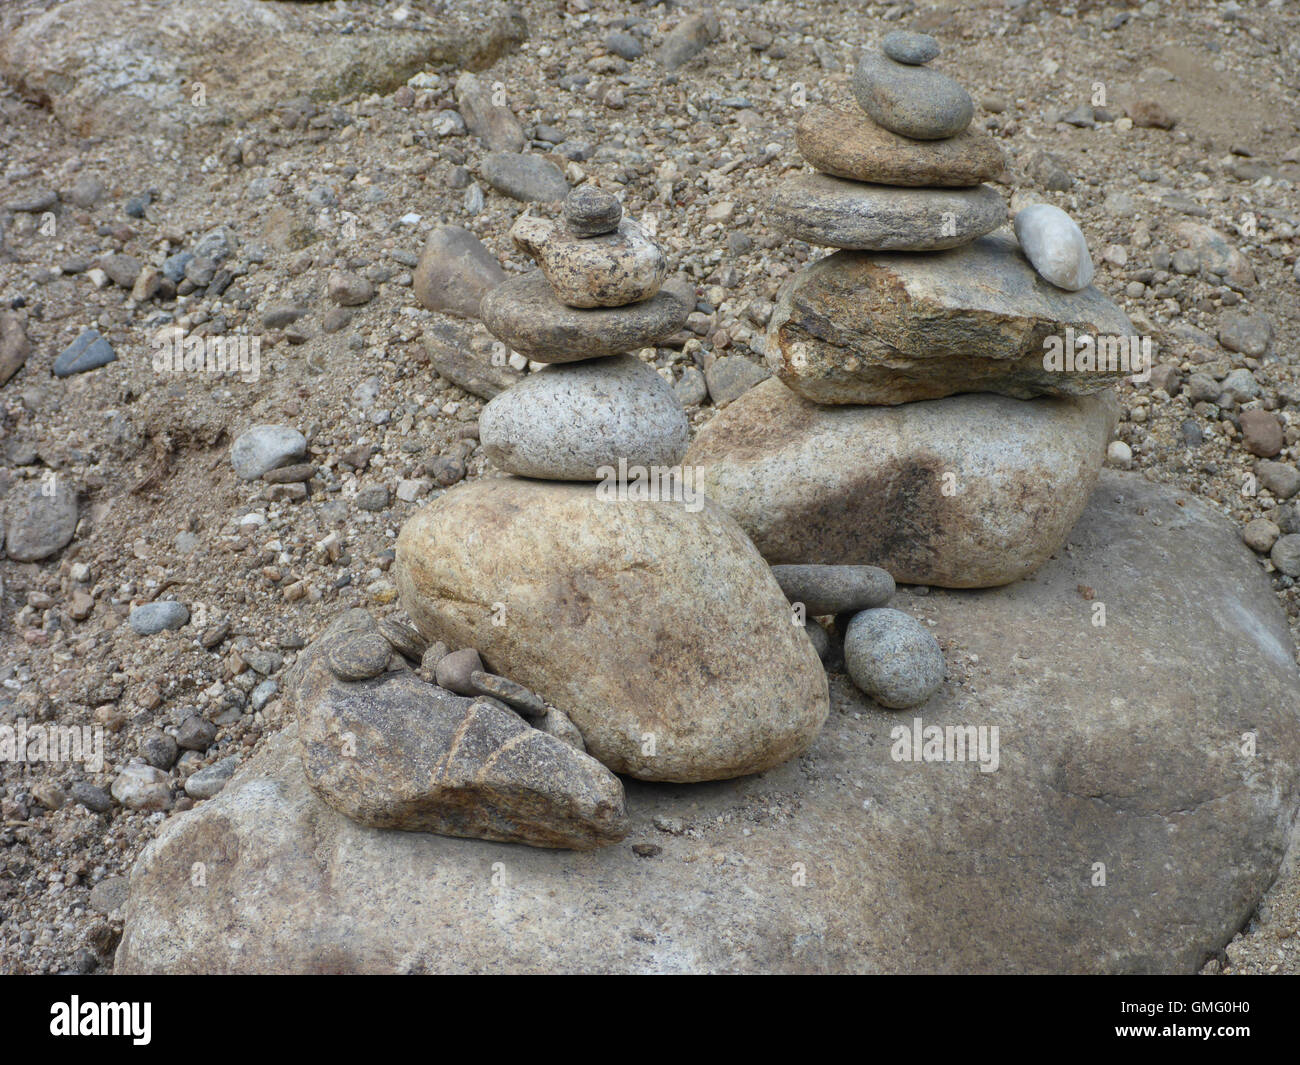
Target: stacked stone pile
{"x": 914, "y": 423}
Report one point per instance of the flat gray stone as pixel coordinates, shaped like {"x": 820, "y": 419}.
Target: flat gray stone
{"x": 524, "y": 177}
{"x": 150, "y": 618}
{"x": 916, "y": 101}
{"x": 41, "y": 518}
{"x": 575, "y": 421}
{"x": 731, "y": 376}
{"x": 915, "y": 49}
{"x": 89, "y": 351}
{"x": 525, "y": 314}
{"x": 1117, "y": 745}
{"x": 836, "y": 213}
{"x": 262, "y": 448}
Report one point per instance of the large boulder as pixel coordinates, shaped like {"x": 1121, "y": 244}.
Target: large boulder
{"x": 1145, "y": 785}
{"x": 965, "y": 492}
{"x": 628, "y": 615}
{"x": 162, "y": 65}
{"x": 898, "y": 327}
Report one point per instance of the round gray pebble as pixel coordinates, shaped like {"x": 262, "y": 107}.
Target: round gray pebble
{"x": 893, "y": 658}
{"x": 149, "y": 618}
{"x": 915, "y": 49}
{"x": 590, "y": 211}
{"x": 359, "y": 657}
{"x": 454, "y": 671}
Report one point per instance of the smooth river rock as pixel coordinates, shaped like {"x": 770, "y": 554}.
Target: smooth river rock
{"x": 40, "y": 518}
{"x": 1054, "y": 244}
{"x": 965, "y": 492}
{"x": 566, "y": 422}
{"x": 1120, "y": 745}
{"x": 525, "y": 314}
{"x": 893, "y": 658}
{"x": 850, "y": 145}
{"x": 915, "y": 101}
{"x": 393, "y": 751}
{"x": 630, "y": 621}
{"x": 609, "y": 270}
{"x": 860, "y": 328}
{"x": 853, "y": 215}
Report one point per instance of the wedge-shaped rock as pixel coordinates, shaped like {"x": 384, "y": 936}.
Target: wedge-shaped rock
{"x": 965, "y": 492}
{"x": 606, "y": 270}
{"x": 850, "y": 145}
{"x": 836, "y": 213}
{"x": 860, "y": 328}
{"x": 656, "y": 626}
{"x": 526, "y": 315}
{"x": 393, "y": 751}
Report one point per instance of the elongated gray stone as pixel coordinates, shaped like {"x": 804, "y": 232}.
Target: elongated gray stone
{"x": 834, "y": 589}
{"x": 853, "y": 215}
{"x": 1054, "y": 245}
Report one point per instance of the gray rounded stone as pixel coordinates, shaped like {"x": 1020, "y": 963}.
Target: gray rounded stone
{"x": 914, "y": 49}
{"x": 567, "y": 423}
{"x": 1286, "y": 554}
{"x": 456, "y": 670}
{"x": 525, "y": 314}
{"x": 591, "y": 211}
{"x": 1054, "y": 244}
{"x": 893, "y": 658}
{"x": 915, "y": 101}
{"x": 358, "y": 657}
{"x": 834, "y": 589}
{"x": 530, "y": 178}
{"x": 41, "y": 518}
{"x": 264, "y": 447}
{"x": 856, "y": 216}
{"x": 150, "y": 618}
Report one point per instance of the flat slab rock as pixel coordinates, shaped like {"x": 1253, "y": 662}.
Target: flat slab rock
{"x": 1117, "y": 745}
{"x": 848, "y": 144}
{"x": 898, "y": 327}
{"x": 857, "y": 216}
{"x": 525, "y": 314}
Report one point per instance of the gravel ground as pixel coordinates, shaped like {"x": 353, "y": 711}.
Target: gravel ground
{"x": 309, "y": 189}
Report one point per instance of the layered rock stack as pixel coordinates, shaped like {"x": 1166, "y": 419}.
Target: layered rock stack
{"x": 593, "y": 573}
{"x": 913, "y": 423}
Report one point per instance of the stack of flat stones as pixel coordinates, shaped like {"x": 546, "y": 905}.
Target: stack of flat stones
{"x": 597, "y": 294}
{"x": 916, "y": 420}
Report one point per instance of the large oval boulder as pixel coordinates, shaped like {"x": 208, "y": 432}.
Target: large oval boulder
{"x": 655, "y": 625}
{"x": 1128, "y": 814}
{"x": 965, "y": 492}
